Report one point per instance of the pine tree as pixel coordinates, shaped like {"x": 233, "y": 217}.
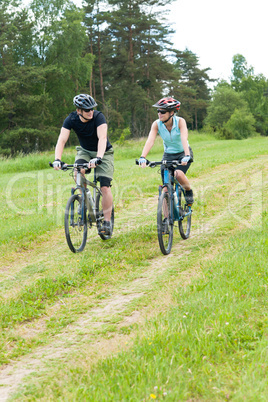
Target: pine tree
{"x": 193, "y": 90}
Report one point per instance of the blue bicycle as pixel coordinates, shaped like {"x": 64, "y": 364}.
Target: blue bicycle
{"x": 171, "y": 208}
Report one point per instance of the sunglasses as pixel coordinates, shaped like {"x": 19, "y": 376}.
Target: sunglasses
{"x": 162, "y": 111}
{"x": 87, "y": 110}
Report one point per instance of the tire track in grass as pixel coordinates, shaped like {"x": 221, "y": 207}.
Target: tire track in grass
{"x": 86, "y": 326}
{"x": 17, "y": 261}
{"x": 96, "y": 318}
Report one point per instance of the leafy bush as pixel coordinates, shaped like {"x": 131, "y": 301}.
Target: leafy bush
{"x": 120, "y": 136}
{"x": 126, "y": 134}
{"x": 225, "y": 101}
{"x": 240, "y": 125}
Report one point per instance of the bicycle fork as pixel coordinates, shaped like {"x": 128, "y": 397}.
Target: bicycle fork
{"x": 171, "y": 197}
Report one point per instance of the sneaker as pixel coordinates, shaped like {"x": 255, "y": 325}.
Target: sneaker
{"x": 165, "y": 226}
{"x": 189, "y": 197}
{"x": 106, "y": 228}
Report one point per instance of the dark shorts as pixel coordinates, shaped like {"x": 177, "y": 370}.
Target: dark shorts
{"x": 178, "y": 157}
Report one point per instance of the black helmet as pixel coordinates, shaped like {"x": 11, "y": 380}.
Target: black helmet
{"x": 84, "y": 101}
{"x": 168, "y": 103}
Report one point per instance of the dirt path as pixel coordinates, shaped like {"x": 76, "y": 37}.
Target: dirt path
{"x": 86, "y": 328}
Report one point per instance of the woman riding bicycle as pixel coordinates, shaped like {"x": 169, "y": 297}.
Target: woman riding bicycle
{"x": 173, "y": 131}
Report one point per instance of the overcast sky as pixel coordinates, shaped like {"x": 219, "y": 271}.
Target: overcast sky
{"x": 217, "y": 30}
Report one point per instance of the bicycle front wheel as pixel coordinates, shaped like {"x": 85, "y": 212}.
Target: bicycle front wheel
{"x": 75, "y": 225}
{"x": 164, "y": 225}
{"x": 186, "y": 221}
{"x": 100, "y": 218}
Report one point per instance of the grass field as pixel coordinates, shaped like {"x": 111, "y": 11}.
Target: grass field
{"x": 120, "y": 321}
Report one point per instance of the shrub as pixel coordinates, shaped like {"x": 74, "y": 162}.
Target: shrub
{"x": 225, "y": 101}
{"x": 120, "y": 136}
{"x": 241, "y": 124}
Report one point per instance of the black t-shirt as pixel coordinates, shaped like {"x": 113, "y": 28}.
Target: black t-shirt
{"x": 86, "y": 132}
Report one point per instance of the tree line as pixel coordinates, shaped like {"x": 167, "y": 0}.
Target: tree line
{"x": 239, "y": 109}
{"x": 120, "y": 52}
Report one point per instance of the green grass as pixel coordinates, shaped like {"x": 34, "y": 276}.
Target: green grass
{"x": 211, "y": 346}
{"x": 46, "y": 287}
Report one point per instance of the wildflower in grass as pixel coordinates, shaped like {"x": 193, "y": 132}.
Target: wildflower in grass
{"x": 153, "y": 396}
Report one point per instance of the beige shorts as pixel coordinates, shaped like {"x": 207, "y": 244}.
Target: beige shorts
{"x": 106, "y": 168}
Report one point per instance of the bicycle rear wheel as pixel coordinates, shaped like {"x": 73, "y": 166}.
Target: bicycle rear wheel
{"x": 164, "y": 225}
{"x": 75, "y": 225}
{"x": 100, "y": 218}
{"x": 185, "y": 223}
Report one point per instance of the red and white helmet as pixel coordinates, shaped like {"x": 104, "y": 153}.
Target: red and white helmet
{"x": 168, "y": 103}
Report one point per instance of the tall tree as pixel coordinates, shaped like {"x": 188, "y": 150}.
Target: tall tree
{"x": 193, "y": 90}
{"x": 240, "y": 70}
{"x": 253, "y": 88}
{"x": 17, "y": 64}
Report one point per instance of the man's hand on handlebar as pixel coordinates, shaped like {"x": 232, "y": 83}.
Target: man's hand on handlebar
{"x": 95, "y": 162}
{"x": 58, "y": 164}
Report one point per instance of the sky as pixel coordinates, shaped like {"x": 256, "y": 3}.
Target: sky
{"x": 216, "y": 30}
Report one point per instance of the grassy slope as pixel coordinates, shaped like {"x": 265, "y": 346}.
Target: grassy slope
{"x": 31, "y": 289}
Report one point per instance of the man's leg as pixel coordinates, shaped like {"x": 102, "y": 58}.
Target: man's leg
{"x": 107, "y": 205}
{"x": 107, "y": 202}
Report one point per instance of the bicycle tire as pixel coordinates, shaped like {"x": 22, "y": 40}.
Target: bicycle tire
{"x": 185, "y": 223}
{"x": 164, "y": 225}
{"x": 75, "y": 226}
{"x": 100, "y": 218}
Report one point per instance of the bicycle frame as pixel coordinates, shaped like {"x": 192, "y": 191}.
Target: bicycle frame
{"x": 175, "y": 210}
{"x": 80, "y": 181}
{"x": 171, "y": 207}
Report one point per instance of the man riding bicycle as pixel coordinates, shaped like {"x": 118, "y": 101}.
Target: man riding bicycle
{"x": 95, "y": 149}
{"x": 173, "y": 131}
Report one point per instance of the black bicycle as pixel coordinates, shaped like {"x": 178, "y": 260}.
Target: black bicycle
{"x": 171, "y": 208}
{"x": 83, "y": 209}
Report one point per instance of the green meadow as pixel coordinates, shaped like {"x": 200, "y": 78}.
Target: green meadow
{"x": 120, "y": 321}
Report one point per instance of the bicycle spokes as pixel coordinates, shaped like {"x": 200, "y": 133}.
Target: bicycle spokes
{"x": 75, "y": 224}
{"x": 164, "y": 223}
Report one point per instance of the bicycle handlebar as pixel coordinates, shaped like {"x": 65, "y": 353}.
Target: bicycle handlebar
{"x": 166, "y": 163}
{"x": 78, "y": 166}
